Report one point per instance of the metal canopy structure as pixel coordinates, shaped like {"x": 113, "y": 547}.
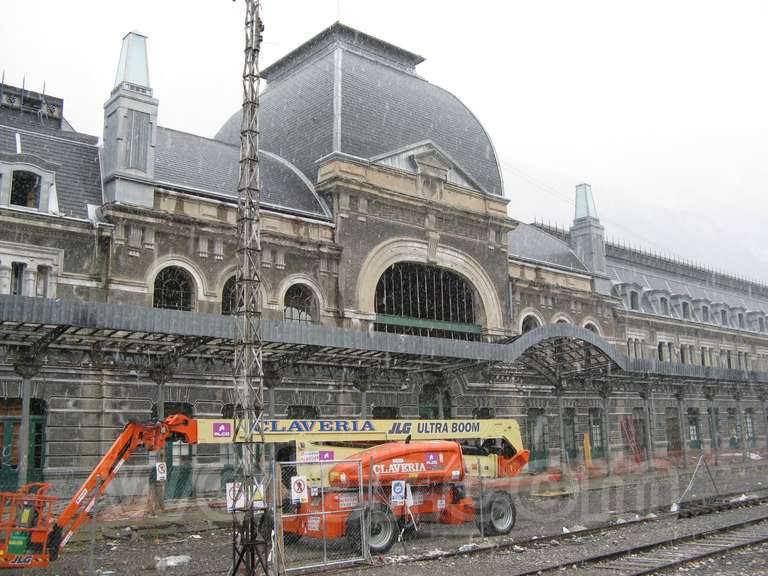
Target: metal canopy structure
{"x": 116, "y": 336}
{"x": 134, "y": 337}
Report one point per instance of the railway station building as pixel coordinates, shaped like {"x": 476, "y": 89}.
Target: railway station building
{"x": 395, "y": 283}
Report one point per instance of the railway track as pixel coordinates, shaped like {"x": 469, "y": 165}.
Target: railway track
{"x": 669, "y": 553}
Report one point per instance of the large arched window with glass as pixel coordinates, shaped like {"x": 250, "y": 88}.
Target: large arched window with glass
{"x": 423, "y": 300}
{"x": 299, "y": 304}
{"x": 229, "y": 296}
{"x": 174, "y": 289}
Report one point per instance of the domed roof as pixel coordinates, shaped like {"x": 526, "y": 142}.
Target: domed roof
{"x": 346, "y": 92}
{"x": 207, "y": 166}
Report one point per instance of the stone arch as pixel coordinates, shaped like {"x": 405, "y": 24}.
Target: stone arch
{"x": 397, "y": 250}
{"x": 304, "y": 280}
{"x": 202, "y": 290}
{"x": 525, "y": 313}
{"x": 561, "y": 318}
{"x": 590, "y": 320}
{"x": 230, "y": 271}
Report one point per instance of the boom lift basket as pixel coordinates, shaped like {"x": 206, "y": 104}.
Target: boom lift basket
{"x": 26, "y": 520}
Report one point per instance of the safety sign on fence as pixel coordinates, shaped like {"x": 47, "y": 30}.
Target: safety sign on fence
{"x": 162, "y": 471}
{"x": 398, "y": 491}
{"x": 299, "y": 490}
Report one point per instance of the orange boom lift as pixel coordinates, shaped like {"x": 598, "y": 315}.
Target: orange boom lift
{"x": 30, "y": 536}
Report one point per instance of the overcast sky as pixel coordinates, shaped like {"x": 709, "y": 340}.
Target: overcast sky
{"x": 661, "y": 106}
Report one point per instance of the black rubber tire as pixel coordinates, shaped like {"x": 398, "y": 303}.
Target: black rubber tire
{"x": 383, "y": 531}
{"x": 498, "y": 514}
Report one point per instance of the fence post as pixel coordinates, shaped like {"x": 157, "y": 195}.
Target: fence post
{"x": 482, "y": 498}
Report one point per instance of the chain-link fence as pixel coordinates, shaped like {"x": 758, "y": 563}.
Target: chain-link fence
{"x": 321, "y": 514}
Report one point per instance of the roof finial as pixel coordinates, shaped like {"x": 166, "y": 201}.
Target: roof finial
{"x": 585, "y": 203}
{"x": 133, "y": 67}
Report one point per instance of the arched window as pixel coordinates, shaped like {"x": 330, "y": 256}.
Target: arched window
{"x": 530, "y": 322}
{"x": 299, "y": 304}
{"x": 591, "y": 327}
{"x": 229, "y": 296}
{"x": 174, "y": 289}
{"x": 25, "y": 189}
{"x": 686, "y": 310}
{"x": 634, "y": 301}
{"x": 422, "y": 300}
{"x": 664, "y": 306}
{"x": 562, "y": 321}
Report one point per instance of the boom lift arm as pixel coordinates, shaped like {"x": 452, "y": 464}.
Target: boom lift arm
{"x": 150, "y": 436}
{"x": 28, "y": 537}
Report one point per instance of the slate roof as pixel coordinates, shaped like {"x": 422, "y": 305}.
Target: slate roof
{"x": 651, "y": 279}
{"x": 78, "y": 174}
{"x": 193, "y": 162}
{"x": 380, "y": 105}
{"x": 530, "y": 243}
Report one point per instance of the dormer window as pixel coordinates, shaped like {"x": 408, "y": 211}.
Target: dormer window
{"x": 741, "y": 320}
{"x": 705, "y": 314}
{"x": 761, "y": 324}
{"x": 724, "y": 317}
{"x": 634, "y": 301}
{"x": 664, "y": 306}
{"x": 25, "y": 189}
{"x": 686, "y": 311}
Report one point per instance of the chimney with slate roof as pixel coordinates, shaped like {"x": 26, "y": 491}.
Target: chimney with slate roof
{"x": 587, "y": 235}
{"x": 130, "y": 121}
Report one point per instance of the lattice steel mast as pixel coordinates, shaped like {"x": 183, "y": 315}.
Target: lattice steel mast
{"x": 248, "y": 544}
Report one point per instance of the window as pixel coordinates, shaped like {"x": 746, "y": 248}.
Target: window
{"x": 591, "y": 327}
{"x": 661, "y": 351}
{"x": 530, "y": 322}
{"x": 741, "y": 320}
{"x": 138, "y": 139}
{"x": 724, "y": 317}
{"x": 749, "y": 427}
{"x": 229, "y": 296}
{"x": 596, "y": 432}
{"x": 25, "y": 189}
{"x": 694, "y": 435}
{"x": 761, "y": 324}
{"x": 703, "y": 356}
{"x": 421, "y": 300}
{"x": 538, "y": 438}
{"x": 686, "y": 311}
{"x": 729, "y": 360}
{"x": 17, "y": 278}
{"x": 484, "y": 413}
{"x": 299, "y": 305}
{"x": 705, "y": 314}
{"x": 665, "y": 306}
{"x": 173, "y": 289}
{"x": 634, "y": 301}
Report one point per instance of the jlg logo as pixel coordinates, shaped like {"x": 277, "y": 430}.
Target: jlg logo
{"x": 21, "y": 560}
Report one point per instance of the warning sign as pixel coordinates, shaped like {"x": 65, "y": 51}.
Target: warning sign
{"x": 162, "y": 471}
{"x": 236, "y": 496}
{"x": 299, "y": 490}
{"x": 398, "y": 492}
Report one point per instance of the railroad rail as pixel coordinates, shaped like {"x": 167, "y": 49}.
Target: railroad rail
{"x": 650, "y": 558}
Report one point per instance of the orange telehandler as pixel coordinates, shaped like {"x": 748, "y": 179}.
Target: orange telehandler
{"x": 425, "y": 453}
